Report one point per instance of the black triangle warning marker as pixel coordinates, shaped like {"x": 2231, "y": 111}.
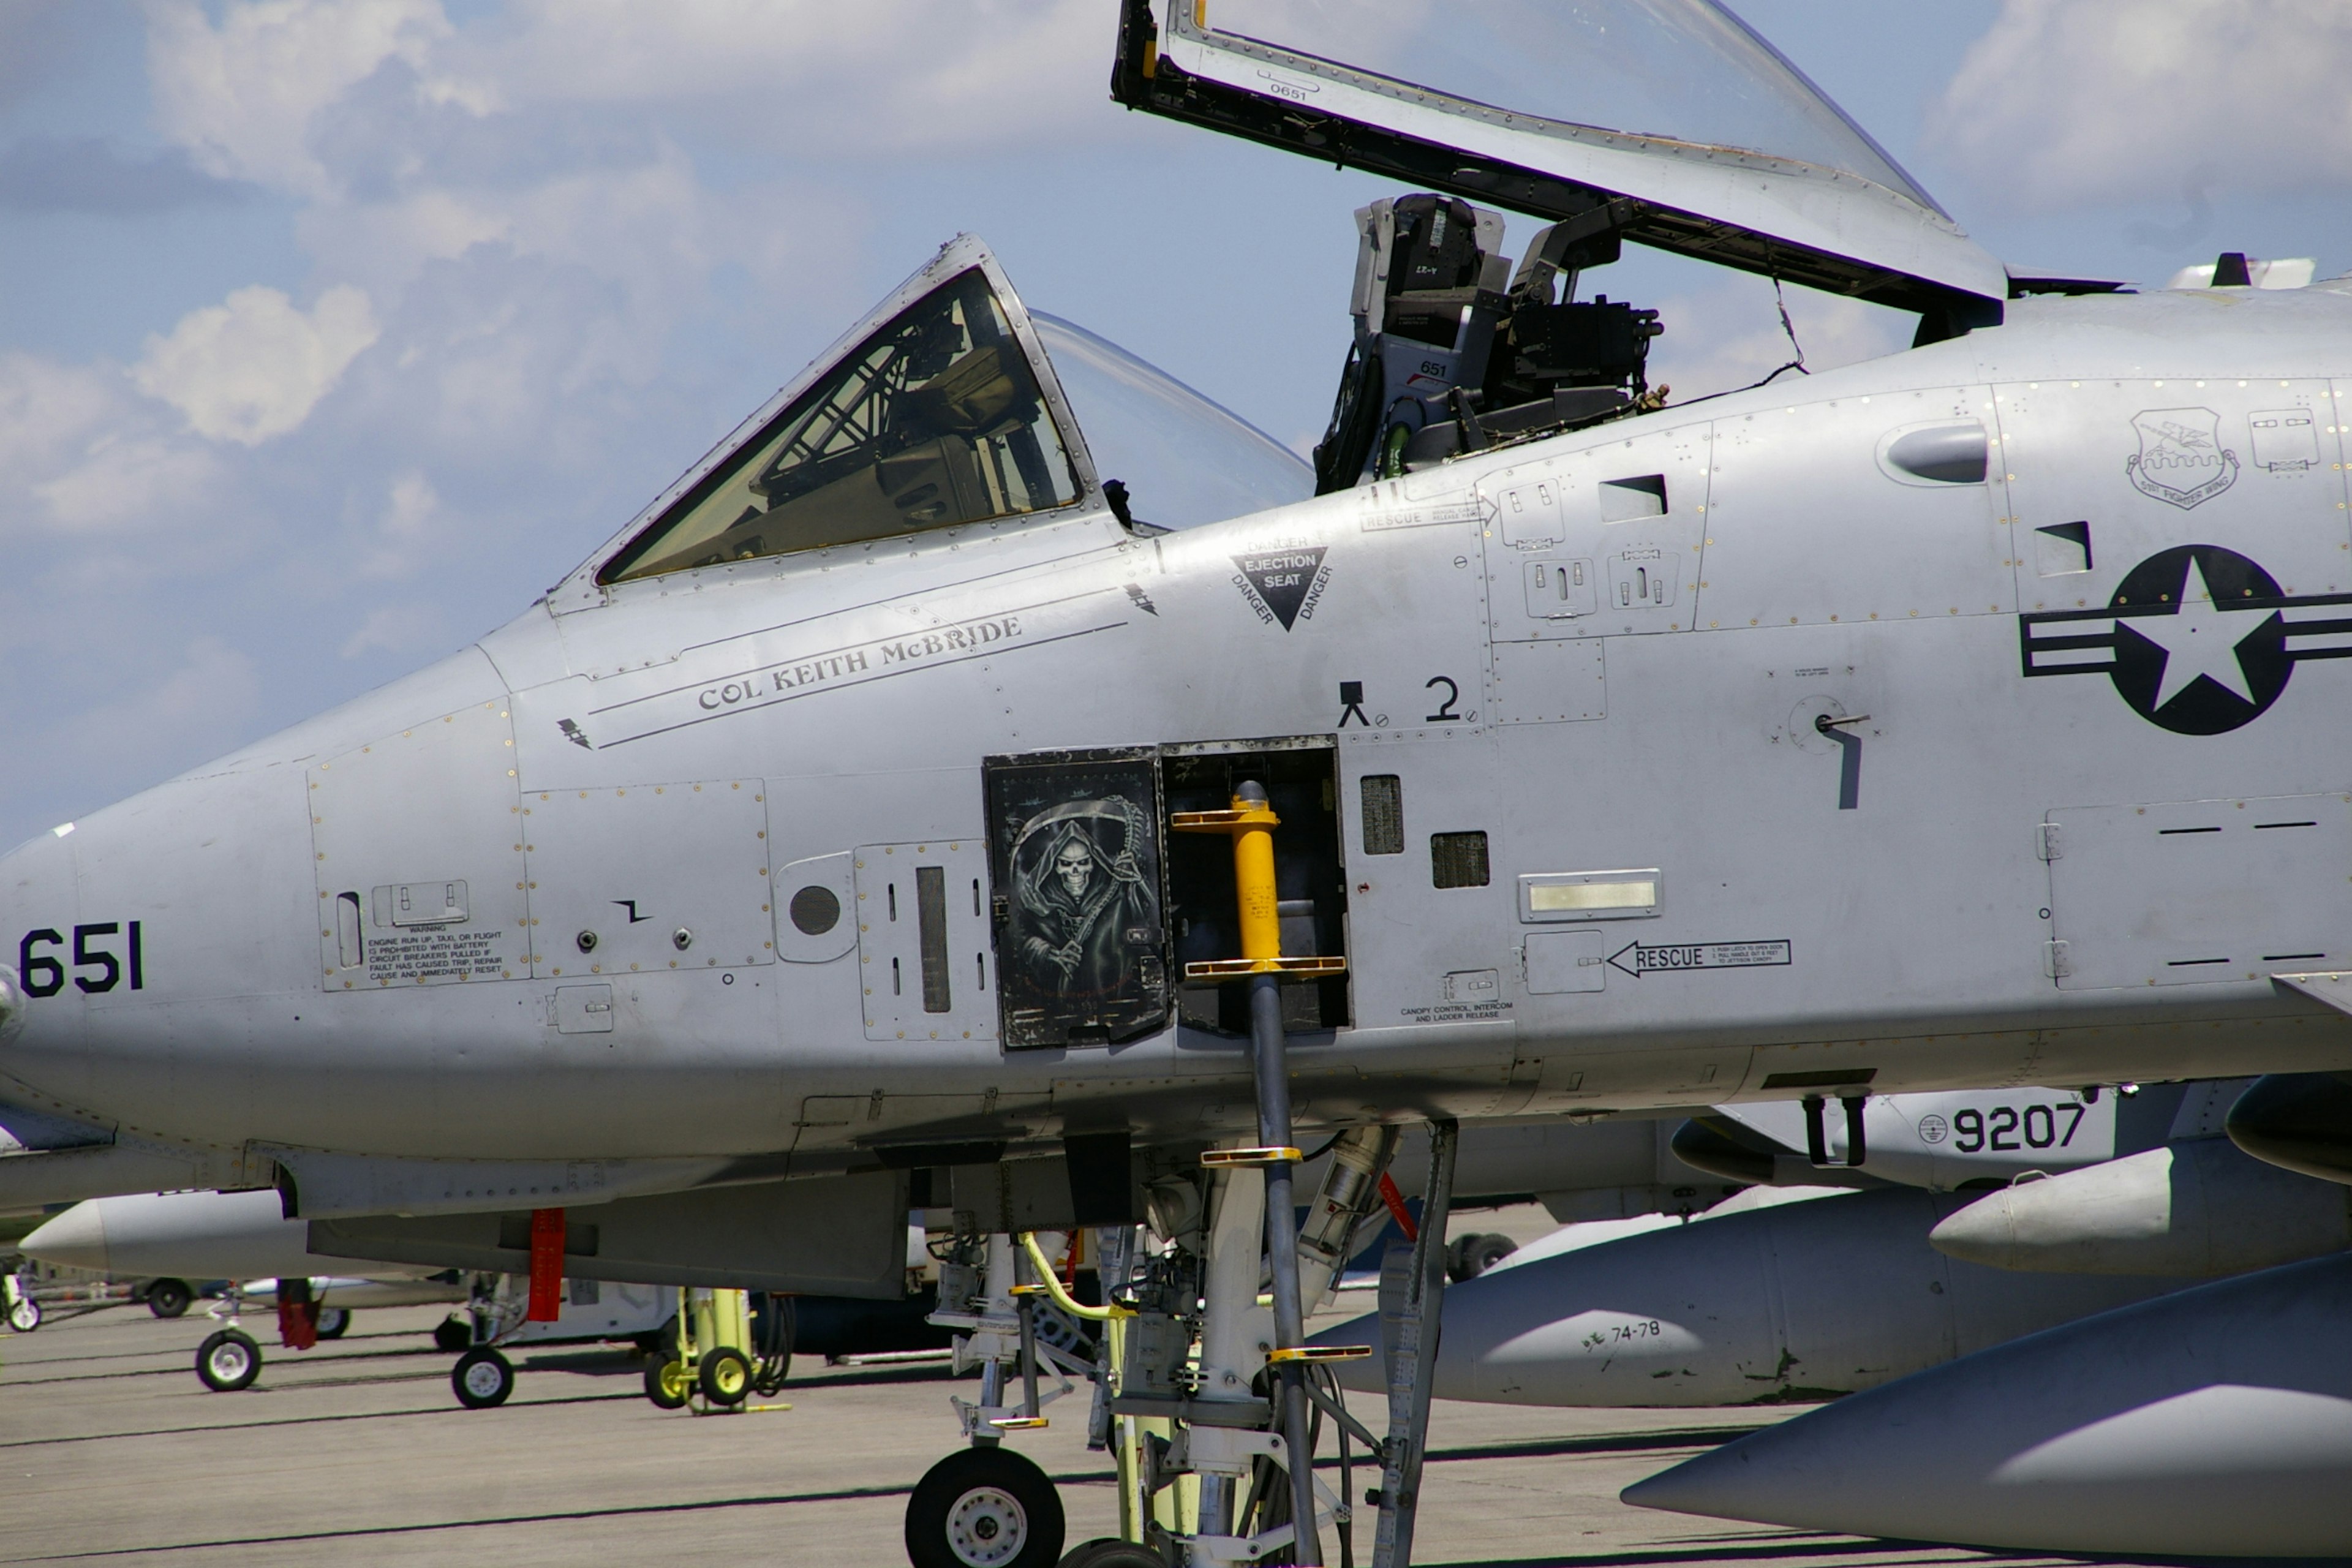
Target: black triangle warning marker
{"x": 1280, "y": 580}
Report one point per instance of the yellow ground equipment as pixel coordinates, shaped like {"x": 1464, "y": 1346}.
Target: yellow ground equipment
{"x": 709, "y": 1360}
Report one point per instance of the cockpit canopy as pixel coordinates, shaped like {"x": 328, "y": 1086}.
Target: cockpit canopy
{"x": 936, "y": 418}
{"x": 945, "y": 407}
{"x": 1706, "y": 141}
{"x": 1670, "y": 77}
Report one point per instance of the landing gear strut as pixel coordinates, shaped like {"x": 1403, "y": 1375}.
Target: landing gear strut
{"x": 988, "y": 1506}
{"x": 1211, "y": 1400}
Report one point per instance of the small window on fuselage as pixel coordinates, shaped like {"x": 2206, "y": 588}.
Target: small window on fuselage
{"x": 935, "y": 420}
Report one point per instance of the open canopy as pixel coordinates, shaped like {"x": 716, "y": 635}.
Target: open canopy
{"x": 1708, "y": 141}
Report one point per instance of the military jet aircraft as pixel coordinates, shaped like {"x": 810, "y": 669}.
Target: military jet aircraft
{"x": 897, "y": 809}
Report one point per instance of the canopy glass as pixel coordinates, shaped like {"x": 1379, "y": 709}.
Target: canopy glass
{"x": 1675, "y": 70}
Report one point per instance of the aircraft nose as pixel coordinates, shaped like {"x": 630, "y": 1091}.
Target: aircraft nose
{"x": 74, "y": 1239}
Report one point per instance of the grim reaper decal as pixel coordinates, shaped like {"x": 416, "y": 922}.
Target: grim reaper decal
{"x": 1074, "y": 854}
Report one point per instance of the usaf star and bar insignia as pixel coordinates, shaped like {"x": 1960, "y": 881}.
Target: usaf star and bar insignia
{"x": 2198, "y": 639}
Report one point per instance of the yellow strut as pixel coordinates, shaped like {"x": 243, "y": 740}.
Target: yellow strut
{"x": 1051, "y": 1288}
{"x": 1251, "y": 825}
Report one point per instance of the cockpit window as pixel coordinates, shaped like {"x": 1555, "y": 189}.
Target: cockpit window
{"x": 936, "y": 419}
{"x": 1675, "y": 70}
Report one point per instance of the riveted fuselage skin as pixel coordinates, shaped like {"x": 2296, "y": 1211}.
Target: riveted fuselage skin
{"x": 666, "y": 762}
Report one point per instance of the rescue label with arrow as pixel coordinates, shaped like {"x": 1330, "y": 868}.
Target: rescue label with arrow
{"x": 1638, "y": 959}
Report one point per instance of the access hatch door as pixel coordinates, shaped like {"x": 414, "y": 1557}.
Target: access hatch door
{"x": 1076, "y": 843}
{"x": 2197, "y": 892}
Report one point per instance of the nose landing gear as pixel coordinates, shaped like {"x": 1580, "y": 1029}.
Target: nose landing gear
{"x": 227, "y": 1361}
{"x": 984, "y": 1508}
{"x": 483, "y": 1378}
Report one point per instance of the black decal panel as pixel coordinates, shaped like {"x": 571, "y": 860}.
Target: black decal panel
{"x": 1075, "y": 857}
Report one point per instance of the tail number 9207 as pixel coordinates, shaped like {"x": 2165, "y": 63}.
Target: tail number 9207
{"x": 2001, "y": 1129}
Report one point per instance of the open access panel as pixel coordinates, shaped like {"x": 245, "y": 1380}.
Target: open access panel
{"x": 1096, "y": 908}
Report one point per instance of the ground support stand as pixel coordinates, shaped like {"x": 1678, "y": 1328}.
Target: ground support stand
{"x": 711, "y": 1371}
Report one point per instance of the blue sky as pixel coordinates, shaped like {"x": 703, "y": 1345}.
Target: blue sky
{"x": 331, "y": 334}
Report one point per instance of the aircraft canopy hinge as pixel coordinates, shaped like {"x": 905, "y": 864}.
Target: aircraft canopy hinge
{"x": 2054, "y": 962}
{"x": 2045, "y": 843}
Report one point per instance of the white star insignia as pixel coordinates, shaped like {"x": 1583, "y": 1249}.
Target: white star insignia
{"x": 2198, "y": 639}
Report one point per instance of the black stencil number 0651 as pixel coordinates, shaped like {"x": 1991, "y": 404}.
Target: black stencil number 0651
{"x": 98, "y": 966}
{"x": 1977, "y": 1131}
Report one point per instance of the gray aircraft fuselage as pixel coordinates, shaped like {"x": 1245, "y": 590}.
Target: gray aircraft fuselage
{"x": 2082, "y": 798}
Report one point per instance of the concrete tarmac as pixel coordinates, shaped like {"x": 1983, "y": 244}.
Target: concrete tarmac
{"x": 357, "y": 1452}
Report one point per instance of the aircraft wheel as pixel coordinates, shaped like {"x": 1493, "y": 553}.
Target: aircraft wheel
{"x": 983, "y": 1507}
{"x": 1111, "y": 1552}
{"x": 667, "y": 1381}
{"x": 333, "y": 1321}
{"x": 453, "y": 1334}
{"x": 24, "y": 1315}
{"x": 482, "y": 1378}
{"x": 1473, "y": 1255}
{"x": 169, "y": 1297}
{"x": 228, "y": 1361}
{"x": 725, "y": 1376}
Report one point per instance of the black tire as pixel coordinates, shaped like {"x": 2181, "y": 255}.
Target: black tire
{"x": 227, "y": 1361}
{"x": 482, "y": 1378}
{"x": 169, "y": 1297}
{"x": 333, "y": 1322}
{"x": 454, "y": 1335}
{"x": 1485, "y": 1251}
{"x": 1111, "y": 1552}
{"x": 984, "y": 1508}
{"x": 666, "y": 1382}
{"x": 725, "y": 1376}
{"x": 24, "y": 1315}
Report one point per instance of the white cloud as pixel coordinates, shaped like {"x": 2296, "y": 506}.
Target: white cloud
{"x": 254, "y": 366}
{"x": 79, "y": 453}
{"x": 412, "y": 517}
{"x": 124, "y": 479}
{"x": 243, "y": 96}
{"x": 203, "y": 704}
{"x": 643, "y": 224}
{"x": 880, "y": 76}
{"x": 396, "y": 629}
{"x": 249, "y": 97}
{"x": 2065, "y": 101}
{"x": 47, "y": 411}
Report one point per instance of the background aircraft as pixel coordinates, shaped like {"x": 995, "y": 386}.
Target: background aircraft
{"x": 1772, "y": 1299}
